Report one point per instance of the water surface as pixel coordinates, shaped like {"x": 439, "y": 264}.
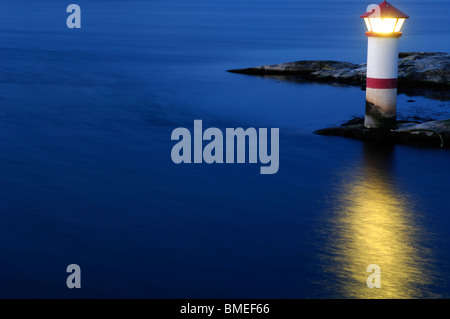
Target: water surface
{"x": 86, "y": 175}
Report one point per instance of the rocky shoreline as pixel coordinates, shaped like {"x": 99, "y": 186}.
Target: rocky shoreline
{"x": 434, "y": 134}
{"x": 419, "y": 73}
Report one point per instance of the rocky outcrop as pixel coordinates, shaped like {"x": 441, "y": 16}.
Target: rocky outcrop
{"x": 419, "y": 73}
{"x": 430, "y": 134}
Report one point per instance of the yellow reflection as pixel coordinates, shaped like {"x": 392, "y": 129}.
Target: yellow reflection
{"x": 383, "y": 25}
{"x": 374, "y": 224}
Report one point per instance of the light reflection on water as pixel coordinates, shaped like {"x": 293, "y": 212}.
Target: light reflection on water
{"x": 375, "y": 223}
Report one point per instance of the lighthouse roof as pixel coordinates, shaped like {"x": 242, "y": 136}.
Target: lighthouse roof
{"x": 386, "y": 10}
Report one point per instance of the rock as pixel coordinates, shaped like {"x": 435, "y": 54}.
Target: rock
{"x": 311, "y": 70}
{"x": 419, "y": 73}
{"x": 430, "y": 134}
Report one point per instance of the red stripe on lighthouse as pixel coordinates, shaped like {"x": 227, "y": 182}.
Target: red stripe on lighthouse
{"x": 381, "y": 83}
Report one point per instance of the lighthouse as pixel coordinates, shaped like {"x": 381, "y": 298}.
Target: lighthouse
{"x": 383, "y": 23}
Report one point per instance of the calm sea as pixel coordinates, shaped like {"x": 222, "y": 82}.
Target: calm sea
{"x": 86, "y": 175}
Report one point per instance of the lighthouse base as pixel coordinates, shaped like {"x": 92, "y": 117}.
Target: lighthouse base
{"x": 381, "y": 108}
{"x": 375, "y": 119}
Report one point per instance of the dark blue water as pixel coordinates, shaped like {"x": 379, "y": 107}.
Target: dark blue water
{"x": 86, "y": 175}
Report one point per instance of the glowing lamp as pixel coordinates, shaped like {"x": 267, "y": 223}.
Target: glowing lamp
{"x": 384, "y": 20}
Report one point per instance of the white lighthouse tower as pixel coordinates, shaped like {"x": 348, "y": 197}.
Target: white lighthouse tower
{"x": 384, "y": 23}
